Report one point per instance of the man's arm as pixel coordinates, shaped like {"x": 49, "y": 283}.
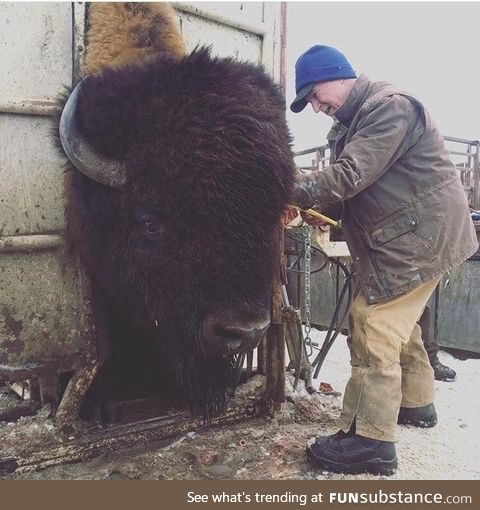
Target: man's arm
{"x": 382, "y": 137}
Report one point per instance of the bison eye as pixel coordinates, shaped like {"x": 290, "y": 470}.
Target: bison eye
{"x": 150, "y": 225}
{"x": 153, "y": 227}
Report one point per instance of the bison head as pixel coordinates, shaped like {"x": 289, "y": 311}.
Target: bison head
{"x": 185, "y": 168}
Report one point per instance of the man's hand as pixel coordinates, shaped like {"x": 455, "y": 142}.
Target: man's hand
{"x": 292, "y": 212}
{"x": 314, "y": 221}
{"x": 304, "y": 190}
{"x": 289, "y": 214}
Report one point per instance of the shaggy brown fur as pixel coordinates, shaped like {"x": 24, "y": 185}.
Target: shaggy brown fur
{"x": 191, "y": 235}
{"x": 125, "y": 32}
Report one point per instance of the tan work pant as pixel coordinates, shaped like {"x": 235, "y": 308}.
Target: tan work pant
{"x": 390, "y": 366}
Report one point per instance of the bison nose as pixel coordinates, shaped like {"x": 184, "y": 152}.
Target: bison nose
{"x": 223, "y": 337}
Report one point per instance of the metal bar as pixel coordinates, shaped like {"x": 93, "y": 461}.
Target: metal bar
{"x": 72, "y": 399}
{"x": 270, "y": 41}
{"x": 275, "y": 385}
{"x": 323, "y": 158}
{"x": 124, "y": 436}
{"x": 275, "y": 394}
{"x": 262, "y": 356}
{"x": 310, "y": 151}
{"x": 314, "y": 149}
{"x": 246, "y": 27}
{"x": 283, "y": 47}
{"x": 29, "y": 243}
{"x": 460, "y": 140}
{"x": 435, "y": 311}
{"x": 11, "y": 373}
{"x": 460, "y": 153}
{"x": 17, "y": 106}
{"x": 476, "y": 177}
{"x": 80, "y": 382}
{"x": 79, "y": 10}
{"x": 469, "y": 156}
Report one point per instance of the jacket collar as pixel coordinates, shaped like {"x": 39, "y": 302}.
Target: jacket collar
{"x": 359, "y": 93}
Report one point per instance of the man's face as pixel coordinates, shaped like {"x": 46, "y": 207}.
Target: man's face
{"x": 326, "y": 97}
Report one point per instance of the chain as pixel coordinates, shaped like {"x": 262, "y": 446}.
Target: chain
{"x": 307, "y": 232}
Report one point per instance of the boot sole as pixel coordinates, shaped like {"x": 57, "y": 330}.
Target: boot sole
{"x": 420, "y": 424}
{"x": 373, "y": 466}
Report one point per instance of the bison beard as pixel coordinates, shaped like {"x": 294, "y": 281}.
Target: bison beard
{"x": 207, "y": 382}
{"x": 185, "y": 250}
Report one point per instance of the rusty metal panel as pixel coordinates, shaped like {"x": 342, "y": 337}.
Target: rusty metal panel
{"x": 41, "y": 312}
{"x": 457, "y": 301}
{"x": 44, "y": 321}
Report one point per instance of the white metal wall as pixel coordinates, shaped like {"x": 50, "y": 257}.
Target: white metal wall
{"x": 42, "y": 306}
{"x": 36, "y": 61}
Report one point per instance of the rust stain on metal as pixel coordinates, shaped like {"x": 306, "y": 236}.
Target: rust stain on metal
{"x": 124, "y": 436}
{"x": 11, "y": 323}
{"x": 275, "y": 342}
{"x": 69, "y": 407}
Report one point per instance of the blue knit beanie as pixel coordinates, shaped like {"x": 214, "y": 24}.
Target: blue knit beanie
{"x": 319, "y": 63}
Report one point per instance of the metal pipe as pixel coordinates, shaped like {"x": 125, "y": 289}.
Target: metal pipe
{"x": 460, "y": 153}
{"x": 12, "y": 372}
{"x": 275, "y": 340}
{"x": 286, "y": 301}
{"x": 476, "y": 177}
{"x": 9, "y": 244}
{"x": 447, "y": 138}
{"x": 310, "y": 151}
{"x": 283, "y": 47}
{"x": 460, "y": 140}
{"x": 79, "y": 14}
{"x": 13, "y": 105}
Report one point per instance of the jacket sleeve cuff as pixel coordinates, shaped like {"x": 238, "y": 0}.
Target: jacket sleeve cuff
{"x": 305, "y": 191}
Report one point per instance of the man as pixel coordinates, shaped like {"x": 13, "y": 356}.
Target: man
{"x": 441, "y": 372}
{"x": 406, "y": 221}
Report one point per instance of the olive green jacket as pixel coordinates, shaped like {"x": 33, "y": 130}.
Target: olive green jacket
{"x": 405, "y": 214}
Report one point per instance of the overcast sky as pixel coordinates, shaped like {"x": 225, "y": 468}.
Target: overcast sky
{"x": 431, "y": 49}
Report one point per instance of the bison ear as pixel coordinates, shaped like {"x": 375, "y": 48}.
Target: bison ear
{"x": 83, "y": 157}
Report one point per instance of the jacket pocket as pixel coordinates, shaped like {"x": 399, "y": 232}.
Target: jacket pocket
{"x": 396, "y": 225}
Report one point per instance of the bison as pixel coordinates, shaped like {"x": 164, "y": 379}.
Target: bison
{"x": 179, "y": 169}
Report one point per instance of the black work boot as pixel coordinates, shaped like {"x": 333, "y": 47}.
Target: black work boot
{"x": 442, "y": 372}
{"x": 424, "y": 417}
{"x": 352, "y": 454}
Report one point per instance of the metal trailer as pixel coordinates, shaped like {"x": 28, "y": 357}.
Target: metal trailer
{"x": 47, "y": 326}
{"x": 454, "y": 318}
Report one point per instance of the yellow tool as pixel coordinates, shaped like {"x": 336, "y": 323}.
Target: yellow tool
{"x": 321, "y": 216}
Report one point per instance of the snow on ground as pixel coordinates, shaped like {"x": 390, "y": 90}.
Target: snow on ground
{"x": 450, "y": 450}
{"x": 267, "y": 448}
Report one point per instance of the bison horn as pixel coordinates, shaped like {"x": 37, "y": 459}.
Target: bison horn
{"x": 108, "y": 172}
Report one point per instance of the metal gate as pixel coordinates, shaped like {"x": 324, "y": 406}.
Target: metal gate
{"x": 47, "y": 327}
{"x": 455, "y": 318}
